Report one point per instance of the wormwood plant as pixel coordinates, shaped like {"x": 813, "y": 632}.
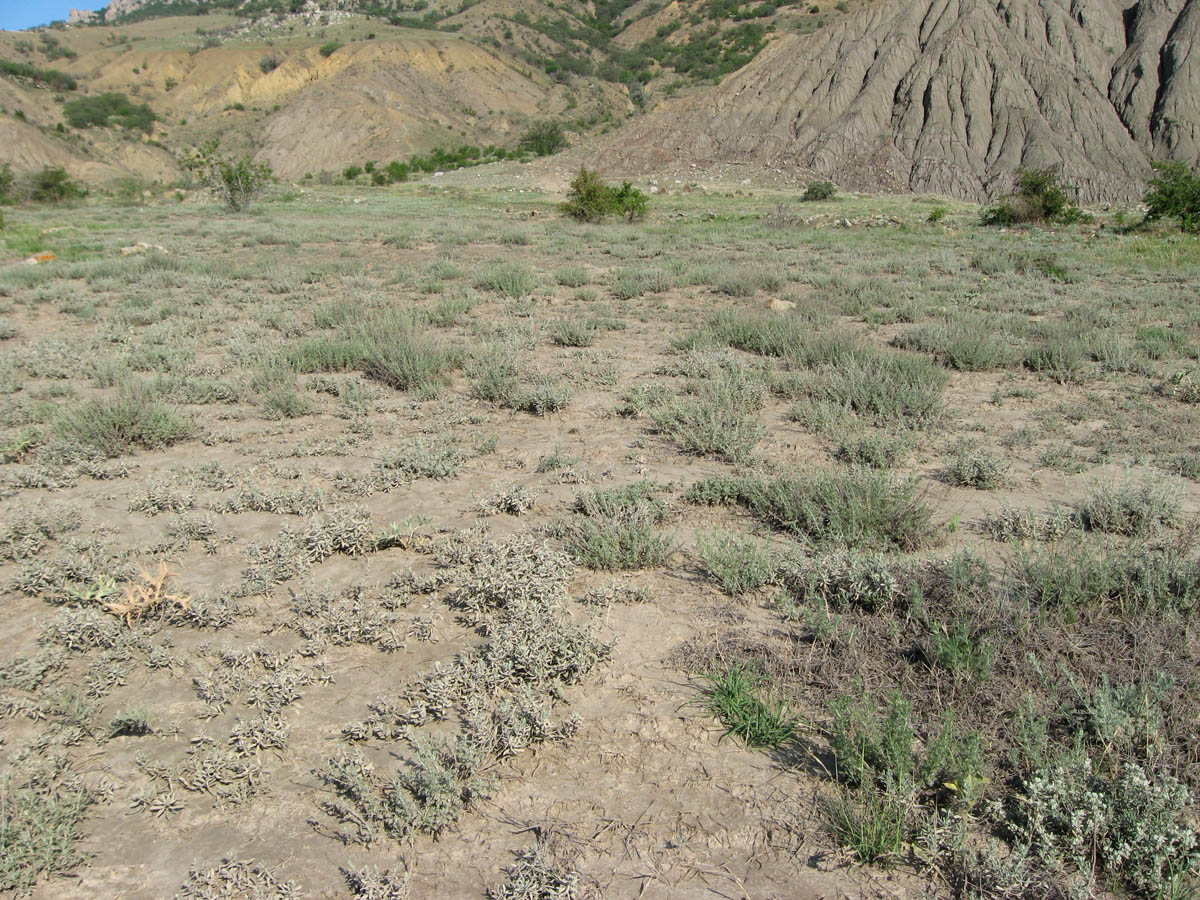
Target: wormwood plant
{"x": 617, "y": 528}
{"x": 857, "y": 508}
{"x": 113, "y": 426}
{"x": 40, "y": 812}
{"x": 739, "y": 564}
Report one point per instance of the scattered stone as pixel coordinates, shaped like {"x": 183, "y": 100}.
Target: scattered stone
{"x": 141, "y": 247}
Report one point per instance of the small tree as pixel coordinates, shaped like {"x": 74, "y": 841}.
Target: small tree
{"x": 238, "y": 182}
{"x": 819, "y": 190}
{"x": 1040, "y": 196}
{"x": 543, "y": 138}
{"x": 7, "y": 181}
{"x": 1175, "y": 193}
{"x": 327, "y": 50}
{"x": 590, "y": 199}
{"x": 398, "y": 171}
{"x": 54, "y": 185}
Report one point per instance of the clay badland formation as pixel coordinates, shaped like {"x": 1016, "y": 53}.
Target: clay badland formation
{"x": 944, "y": 96}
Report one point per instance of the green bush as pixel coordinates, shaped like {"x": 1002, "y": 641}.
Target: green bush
{"x": 238, "y": 182}
{"x": 882, "y": 751}
{"x": 51, "y": 78}
{"x": 591, "y": 200}
{"x": 819, "y": 190}
{"x": 351, "y": 173}
{"x": 719, "y": 417}
{"x": 54, "y": 185}
{"x": 39, "y": 825}
{"x": 618, "y": 528}
{"x": 103, "y": 110}
{"x": 975, "y": 467}
{"x": 1175, "y": 192}
{"x": 543, "y": 138}
{"x": 7, "y": 183}
{"x": 327, "y": 50}
{"x": 1040, "y": 196}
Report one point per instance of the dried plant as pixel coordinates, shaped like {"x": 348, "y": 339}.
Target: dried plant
{"x": 146, "y": 594}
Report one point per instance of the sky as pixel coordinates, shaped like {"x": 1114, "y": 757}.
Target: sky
{"x": 17, "y": 14}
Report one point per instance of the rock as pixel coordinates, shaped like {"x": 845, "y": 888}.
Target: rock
{"x": 141, "y": 247}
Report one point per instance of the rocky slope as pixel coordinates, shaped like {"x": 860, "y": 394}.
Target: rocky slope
{"x": 950, "y": 96}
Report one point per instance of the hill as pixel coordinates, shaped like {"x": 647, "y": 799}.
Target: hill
{"x": 950, "y": 96}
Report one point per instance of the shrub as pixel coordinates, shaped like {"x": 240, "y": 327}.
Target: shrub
{"x": 351, "y": 173}
{"x": 887, "y": 388}
{"x": 54, "y": 185}
{"x": 856, "y": 508}
{"x": 51, "y": 78}
{"x": 542, "y": 138}
{"x": 879, "y": 450}
{"x": 1040, "y": 196}
{"x": 1128, "y": 581}
{"x": 113, "y": 426}
{"x": 327, "y": 50}
{"x": 844, "y": 580}
{"x": 871, "y": 750}
{"x": 1133, "y": 825}
{"x": 591, "y": 200}
{"x": 964, "y": 344}
{"x": 7, "y": 183}
{"x": 618, "y": 529}
{"x": 105, "y": 109}
{"x": 819, "y": 190}
{"x": 509, "y": 279}
{"x": 268, "y": 64}
{"x": 237, "y": 182}
{"x": 975, "y": 467}
{"x": 396, "y": 351}
{"x": 1130, "y": 509}
{"x": 39, "y": 824}
{"x": 719, "y": 418}
{"x": 739, "y": 564}
{"x": 397, "y": 171}
{"x": 1174, "y": 193}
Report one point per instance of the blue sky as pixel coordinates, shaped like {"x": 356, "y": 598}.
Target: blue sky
{"x": 15, "y": 14}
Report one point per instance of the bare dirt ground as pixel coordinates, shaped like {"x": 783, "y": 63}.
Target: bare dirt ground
{"x": 326, "y": 523}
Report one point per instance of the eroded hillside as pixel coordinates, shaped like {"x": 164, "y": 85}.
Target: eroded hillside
{"x": 950, "y": 96}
